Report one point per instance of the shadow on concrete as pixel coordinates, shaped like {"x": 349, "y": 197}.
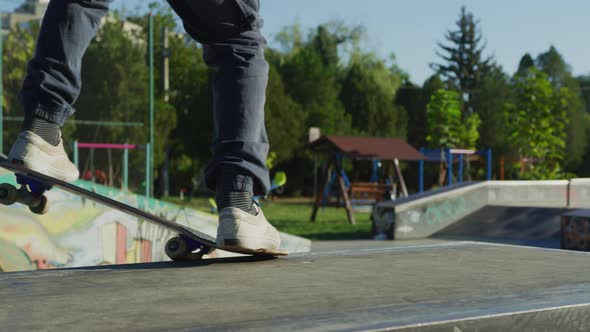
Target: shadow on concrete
{"x": 536, "y": 227}
{"x": 173, "y": 265}
{"x": 338, "y": 236}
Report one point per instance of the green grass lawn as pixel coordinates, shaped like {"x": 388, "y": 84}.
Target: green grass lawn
{"x": 292, "y": 216}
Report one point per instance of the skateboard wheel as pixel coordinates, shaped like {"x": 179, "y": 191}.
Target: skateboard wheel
{"x": 42, "y": 208}
{"x": 177, "y": 249}
{"x": 8, "y": 194}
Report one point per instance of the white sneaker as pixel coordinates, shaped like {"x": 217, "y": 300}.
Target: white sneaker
{"x": 34, "y": 153}
{"x": 239, "y": 230}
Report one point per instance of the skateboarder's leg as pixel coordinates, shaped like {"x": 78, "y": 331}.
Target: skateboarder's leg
{"x": 234, "y": 49}
{"x": 53, "y": 84}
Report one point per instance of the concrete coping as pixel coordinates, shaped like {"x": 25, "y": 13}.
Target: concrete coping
{"x": 440, "y": 197}
{"x": 519, "y": 183}
{"x": 458, "y": 190}
{"x": 580, "y": 181}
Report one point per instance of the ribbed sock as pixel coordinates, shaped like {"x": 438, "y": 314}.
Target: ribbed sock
{"x": 235, "y": 189}
{"x": 47, "y": 130}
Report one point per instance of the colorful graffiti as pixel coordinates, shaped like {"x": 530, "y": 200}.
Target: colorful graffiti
{"x": 575, "y": 233}
{"x": 76, "y": 232}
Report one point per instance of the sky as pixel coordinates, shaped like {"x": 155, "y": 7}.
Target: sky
{"x": 411, "y": 29}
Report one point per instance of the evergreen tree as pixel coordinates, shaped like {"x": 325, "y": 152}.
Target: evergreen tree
{"x": 526, "y": 62}
{"x": 464, "y": 65}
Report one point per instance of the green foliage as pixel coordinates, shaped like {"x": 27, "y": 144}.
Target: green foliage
{"x": 285, "y": 119}
{"x": 495, "y": 90}
{"x": 311, "y": 76}
{"x": 536, "y": 121}
{"x": 115, "y": 88}
{"x": 526, "y": 63}
{"x": 323, "y": 78}
{"x": 18, "y": 49}
{"x": 463, "y": 64}
{"x": 446, "y": 126}
{"x": 560, "y": 75}
{"x": 368, "y": 93}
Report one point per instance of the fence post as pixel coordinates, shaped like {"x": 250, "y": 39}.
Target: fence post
{"x": 148, "y": 159}
{"x": 125, "y": 170}
{"x": 76, "y": 160}
{"x": 421, "y": 171}
{"x": 489, "y": 152}
{"x": 449, "y": 167}
{"x": 460, "y": 175}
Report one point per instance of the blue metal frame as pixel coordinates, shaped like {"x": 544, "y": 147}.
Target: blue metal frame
{"x": 421, "y": 171}
{"x": 460, "y": 175}
{"x": 375, "y": 175}
{"x": 489, "y": 153}
{"x": 449, "y": 167}
{"x": 334, "y": 179}
{"x": 432, "y": 155}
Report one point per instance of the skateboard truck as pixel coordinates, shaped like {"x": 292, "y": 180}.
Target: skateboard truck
{"x": 184, "y": 248}
{"x": 30, "y": 193}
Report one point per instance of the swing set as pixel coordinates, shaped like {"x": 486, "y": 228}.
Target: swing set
{"x": 385, "y": 154}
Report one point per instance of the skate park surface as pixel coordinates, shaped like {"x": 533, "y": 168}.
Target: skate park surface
{"x": 491, "y": 268}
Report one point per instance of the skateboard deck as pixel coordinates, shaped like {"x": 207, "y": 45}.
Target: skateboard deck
{"x": 188, "y": 245}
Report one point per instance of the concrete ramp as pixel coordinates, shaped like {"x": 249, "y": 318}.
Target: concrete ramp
{"x": 539, "y": 227}
{"x": 424, "y": 215}
{"x": 424, "y": 285}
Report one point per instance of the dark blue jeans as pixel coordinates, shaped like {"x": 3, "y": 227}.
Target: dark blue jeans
{"x": 232, "y": 46}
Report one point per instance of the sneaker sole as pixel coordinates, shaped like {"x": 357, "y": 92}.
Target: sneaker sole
{"x": 257, "y": 252}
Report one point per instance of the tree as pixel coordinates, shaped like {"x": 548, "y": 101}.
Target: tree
{"x": 191, "y": 95}
{"x": 311, "y": 75}
{"x": 19, "y": 46}
{"x": 368, "y": 92}
{"x": 536, "y": 124}
{"x": 285, "y": 119}
{"x": 447, "y": 128}
{"x": 115, "y": 77}
{"x": 526, "y": 62}
{"x": 568, "y": 88}
{"x": 464, "y": 65}
{"x": 494, "y": 92}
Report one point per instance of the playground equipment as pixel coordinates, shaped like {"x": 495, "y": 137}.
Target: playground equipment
{"x": 380, "y": 151}
{"x": 125, "y": 148}
{"x": 449, "y": 157}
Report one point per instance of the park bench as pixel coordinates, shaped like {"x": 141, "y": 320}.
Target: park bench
{"x": 368, "y": 193}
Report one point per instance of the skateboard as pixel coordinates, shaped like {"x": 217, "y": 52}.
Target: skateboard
{"x": 189, "y": 244}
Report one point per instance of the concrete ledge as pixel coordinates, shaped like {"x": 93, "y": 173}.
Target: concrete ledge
{"x": 424, "y": 214}
{"x": 387, "y": 287}
{"x": 528, "y": 193}
{"x": 580, "y": 193}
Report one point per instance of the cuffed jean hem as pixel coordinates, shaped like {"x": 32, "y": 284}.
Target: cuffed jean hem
{"x": 244, "y": 155}
{"x": 56, "y": 115}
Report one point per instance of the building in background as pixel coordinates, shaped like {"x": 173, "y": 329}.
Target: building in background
{"x": 33, "y": 11}
{"x": 30, "y": 10}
